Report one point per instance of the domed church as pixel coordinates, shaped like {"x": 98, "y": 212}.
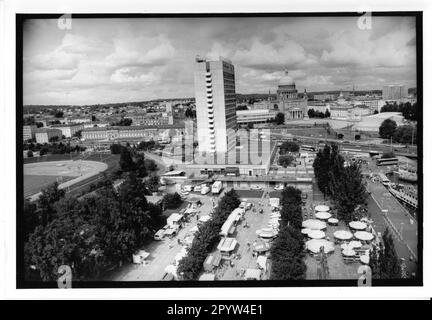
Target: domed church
{"x": 288, "y": 102}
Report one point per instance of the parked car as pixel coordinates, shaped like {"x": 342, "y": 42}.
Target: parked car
{"x": 197, "y": 188}
{"x": 159, "y": 235}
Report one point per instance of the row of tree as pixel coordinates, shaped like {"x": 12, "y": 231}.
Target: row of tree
{"x": 287, "y": 250}
{"x": 53, "y": 148}
{"x": 285, "y": 160}
{"x": 408, "y": 110}
{"x": 288, "y": 146}
{"x": 123, "y": 122}
{"x": 318, "y": 114}
{"x": 402, "y": 134}
{"x": 384, "y": 261}
{"x": 90, "y": 234}
{"x": 207, "y": 237}
{"x": 341, "y": 181}
{"x": 133, "y": 161}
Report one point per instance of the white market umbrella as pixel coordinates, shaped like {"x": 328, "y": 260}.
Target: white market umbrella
{"x": 306, "y": 230}
{"x": 364, "y": 236}
{"x": 180, "y": 255}
{"x": 333, "y": 221}
{"x": 344, "y": 246}
{"x": 357, "y": 225}
{"x": 323, "y": 215}
{"x": 314, "y": 245}
{"x": 348, "y": 252}
{"x": 322, "y": 208}
{"x": 204, "y": 218}
{"x": 314, "y": 224}
{"x": 354, "y": 244}
{"x": 193, "y": 229}
{"x": 171, "y": 269}
{"x": 342, "y": 235}
{"x": 316, "y": 234}
{"x": 364, "y": 259}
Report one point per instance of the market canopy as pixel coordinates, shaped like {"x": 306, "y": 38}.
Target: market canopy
{"x": 227, "y": 244}
{"x": 260, "y": 246}
{"x": 274, "y": 202}
{"x": 172, "y": 269}
{"x": 180, "y": 255}
{"x": 364, "y": 259}
{"x": 316, "y": 234}
{"x": 207, "y": 277}
{"x": 342, "y": 235}
{"x": 204, "y": 218}
{"x": 315, "y": 245}
{"x": 262, "y": 262}
{"x": 348, "y": 252}
{"x": 252, "y": 274}
{"x": 322, "y": 208}
{"x": 193, "y": 229}
{"x": 354, "y": 244}
{"x": 333, "y": 221}
{"x": 322, "y": 215}
{"x": 364, "y": 236}
{"x": 306, "y": 230}
{"x": 267, "y": 233}
{"x": 314, "y": 224}
{"x": 357, "y": 225}
{"x": 188, "y": 240}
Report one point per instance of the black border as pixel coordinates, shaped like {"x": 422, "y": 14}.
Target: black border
{"x": 23, "y": 284}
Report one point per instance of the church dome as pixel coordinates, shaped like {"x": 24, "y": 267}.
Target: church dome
{"x": 286, "y": 80}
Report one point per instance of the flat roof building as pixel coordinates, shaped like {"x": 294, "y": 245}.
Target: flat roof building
{"x": 68, "y": 130}
{"x": 255, "y": 116}
{"x": 215, "y": 105}
{"x": 44, "y": 135}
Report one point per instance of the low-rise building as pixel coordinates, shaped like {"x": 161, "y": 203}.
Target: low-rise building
{"x": 29, "y": 132}
{"x": 68, "y": 130}
{"x": 130, "y": 133}
{"x": 44, "y": 135}
{"x": 255, "y": 116}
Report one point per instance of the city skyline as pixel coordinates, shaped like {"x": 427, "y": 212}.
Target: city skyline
{"x": 115, "y": 60}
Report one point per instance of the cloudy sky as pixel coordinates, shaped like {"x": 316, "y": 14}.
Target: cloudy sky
{"x": 119, "y": 60}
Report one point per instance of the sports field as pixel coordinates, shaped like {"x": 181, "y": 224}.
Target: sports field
{"x": 39, "y": 175}
{"x": 34, "y": 183}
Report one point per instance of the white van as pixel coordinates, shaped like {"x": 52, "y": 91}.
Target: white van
{"x": 205, "y": 189}
{"x": 159, "y": 235}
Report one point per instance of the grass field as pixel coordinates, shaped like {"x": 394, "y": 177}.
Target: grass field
{"x": 34, "y": 183}
{"x": 40, "y": 174}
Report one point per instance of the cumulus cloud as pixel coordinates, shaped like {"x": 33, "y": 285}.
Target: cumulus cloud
{"x": 352, "y": 49}
{"x": 110, "y": 60}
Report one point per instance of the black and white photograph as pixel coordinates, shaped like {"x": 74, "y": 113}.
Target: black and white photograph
{"x": 161, "y": 150}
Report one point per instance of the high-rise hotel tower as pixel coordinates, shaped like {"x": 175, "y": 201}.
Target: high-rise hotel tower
{"x": 215, "y": 105}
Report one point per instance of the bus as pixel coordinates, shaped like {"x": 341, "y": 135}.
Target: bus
{"x": 387, "y": 161}
{"x": 307, "y": 148}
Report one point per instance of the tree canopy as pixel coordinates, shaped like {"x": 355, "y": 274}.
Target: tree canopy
{"x": 280, "y": 118}
{"x": 387, "y": 128}
{"x": 207, "y": 237}
{"x": 91, "y": 234}
{"x": 343, "y": 183}
{"x": 287, "y": 249}
{"x": 384, "y": 261}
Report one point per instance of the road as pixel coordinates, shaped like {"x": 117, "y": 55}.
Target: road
{"x": 162, "y": 253}
{"x": 407, "y": 246}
